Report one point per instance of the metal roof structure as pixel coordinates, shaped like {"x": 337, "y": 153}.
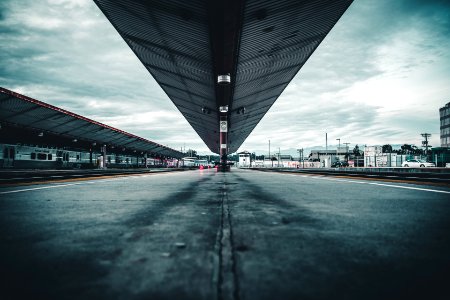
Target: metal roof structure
{"x": 29, "y": 113}
{"x": 186, "y": 45}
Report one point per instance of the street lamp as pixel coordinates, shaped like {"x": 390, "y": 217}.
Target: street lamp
{"x": 269, "y": 155}
{"x": 301, "y": 157}
{"x": 346, "y": 150}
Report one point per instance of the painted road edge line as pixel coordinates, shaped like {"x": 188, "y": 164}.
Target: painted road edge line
{"x": 380, "y": 184}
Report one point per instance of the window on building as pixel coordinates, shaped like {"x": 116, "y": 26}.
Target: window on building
{"x": 42, "y": 156}
{"x": 33, "y": 155}
{"x": 49, "y": 157}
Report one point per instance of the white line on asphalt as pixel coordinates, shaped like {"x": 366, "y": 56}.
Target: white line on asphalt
{"x": 61, "y": 185}
{"x": 96, "y": 180}
{"x": 42, "y": 188}
{"x": 380, "y": 184}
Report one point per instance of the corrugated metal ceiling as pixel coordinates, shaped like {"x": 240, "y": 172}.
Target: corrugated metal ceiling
{"x": 175, "y": 42}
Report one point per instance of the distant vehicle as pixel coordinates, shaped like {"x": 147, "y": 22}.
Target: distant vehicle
{"x": 339, "y": 164}
{"x": 195, "y": 162}
{"x": 417, "y": 163}
{"x": 201, "y": 163}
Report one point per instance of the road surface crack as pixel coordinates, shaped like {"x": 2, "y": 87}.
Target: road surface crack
{"x": 226, "y": 276}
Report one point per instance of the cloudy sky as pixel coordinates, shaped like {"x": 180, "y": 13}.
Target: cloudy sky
{"x": 379, "y": 77}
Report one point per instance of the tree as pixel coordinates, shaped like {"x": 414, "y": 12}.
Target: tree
{"x": 356, "y": 151}
{"x": 386, "y": 148}
{"x": 406, "y": 149}
{"x": 192, "y": 153}
{"x": 417, "y": 151}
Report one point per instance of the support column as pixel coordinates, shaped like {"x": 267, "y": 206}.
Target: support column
{"x": 223, "y": 143}
{"x": 104, "y": 156}
{"x": 145, "y": 158}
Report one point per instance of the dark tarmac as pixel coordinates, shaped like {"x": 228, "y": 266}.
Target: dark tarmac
{"x": 238, "y": 235}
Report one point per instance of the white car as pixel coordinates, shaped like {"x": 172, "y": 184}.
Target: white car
{"x": 417, "y": 163}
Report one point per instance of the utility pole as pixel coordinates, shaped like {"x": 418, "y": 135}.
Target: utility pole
{"x": 326, "y": 142}
{"x": 337, "y": 151}
{"x": 301, "y": 158}
{"x": 425, "y": 143}
{"x": 279, "y": 154}
{"x": 346, "y": 150}
{"x": 270, "y": 157}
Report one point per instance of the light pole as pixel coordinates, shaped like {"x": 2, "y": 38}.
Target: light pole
{"x": 300, "y": 157}
{"x": 303, "y": 159}
{"x": 337, "y": 151}
{"x": 346, "y": 150}
{"x": 279, "y": 154}
{"x": 269, "y": 155}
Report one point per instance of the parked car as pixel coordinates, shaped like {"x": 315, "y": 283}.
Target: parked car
{"x": 339, "y": 164}
{"x": 417, "y": 163}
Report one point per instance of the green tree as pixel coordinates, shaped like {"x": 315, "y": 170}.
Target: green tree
{"x": 356, "y": 151}
{"x": 406, "y": 149}
{"x": 386, "y": 148}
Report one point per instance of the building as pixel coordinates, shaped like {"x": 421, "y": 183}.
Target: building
{"x": 328, "y": 157}
{"x": 244, "y": 159}
{"x": 370, "y": 155}
{"x": 444, "y": 113}
{"x": 35, "y": 134}
{"x": 441, "y": 156}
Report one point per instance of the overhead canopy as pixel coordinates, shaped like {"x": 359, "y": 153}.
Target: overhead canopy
{"x": 185, "y": 45}
{"x": 32, "y": 114}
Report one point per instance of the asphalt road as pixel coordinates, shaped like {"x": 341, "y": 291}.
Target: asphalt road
{"x": 238, "y": 235}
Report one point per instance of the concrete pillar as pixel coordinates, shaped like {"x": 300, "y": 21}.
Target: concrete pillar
{"x": 223, "y": 144}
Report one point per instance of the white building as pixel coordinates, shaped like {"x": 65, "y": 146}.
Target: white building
{"x": 244, "y": 159}
{"x": 328, "y": 157}
{"x": 374, "y": 157}
{"x": 370, "y": 155}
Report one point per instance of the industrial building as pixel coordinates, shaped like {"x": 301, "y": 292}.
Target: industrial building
{"x": 444, "y": 113}
{"x": 39, "y": 135}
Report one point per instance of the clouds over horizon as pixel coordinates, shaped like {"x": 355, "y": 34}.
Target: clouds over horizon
{"x": 380, "y": 76}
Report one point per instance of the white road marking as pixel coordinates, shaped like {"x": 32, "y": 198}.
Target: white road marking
{"x": 42, "y": 188}
{"x": 96, "y": 180}
{"x": 62, "y": 185}
{"x": 376, "y": 183}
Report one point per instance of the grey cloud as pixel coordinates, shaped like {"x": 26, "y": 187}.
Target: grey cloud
{"x": 79, "y": 62}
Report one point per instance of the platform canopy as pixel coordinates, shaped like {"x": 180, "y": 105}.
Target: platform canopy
{"x": 28, "y": 113}
{"x": 186, "y": 45}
